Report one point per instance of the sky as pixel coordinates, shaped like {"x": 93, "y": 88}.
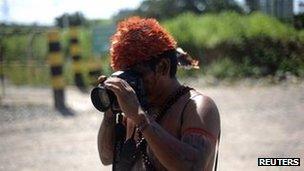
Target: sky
{"x": 45, "y": 11}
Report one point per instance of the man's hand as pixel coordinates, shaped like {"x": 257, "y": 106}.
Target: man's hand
{"x": 126, "y": 98}
{"x": 108, "y": 114}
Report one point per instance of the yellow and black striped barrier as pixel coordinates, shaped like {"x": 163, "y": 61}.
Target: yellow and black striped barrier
{"x": 94, "y": 67}
{"x": 75, "y": 52}
{"x": 55, "y": 60}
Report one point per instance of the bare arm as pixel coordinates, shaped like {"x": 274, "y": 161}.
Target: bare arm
{"x": 189, "y": 154}
{"x": 194, "y": 152}
{"x": 106, "y": 138}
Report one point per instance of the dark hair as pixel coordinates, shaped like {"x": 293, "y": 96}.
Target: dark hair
{"x": 169, "y": 54}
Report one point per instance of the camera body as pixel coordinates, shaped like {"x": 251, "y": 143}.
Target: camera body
{"x": 104, "y": 99}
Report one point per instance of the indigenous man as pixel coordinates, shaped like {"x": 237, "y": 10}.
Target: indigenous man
{"x": 182, "y": 126}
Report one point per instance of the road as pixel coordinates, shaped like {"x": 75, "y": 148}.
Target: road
{"x": 257, "y": 121}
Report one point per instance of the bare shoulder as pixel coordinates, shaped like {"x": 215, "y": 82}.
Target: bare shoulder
{"x": 201, "y": 112}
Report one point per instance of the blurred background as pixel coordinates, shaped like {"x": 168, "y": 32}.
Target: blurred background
{"x": 251, "y": 55}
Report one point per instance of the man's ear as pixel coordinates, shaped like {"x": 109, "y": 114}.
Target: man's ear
{"x": 163, "y": 67}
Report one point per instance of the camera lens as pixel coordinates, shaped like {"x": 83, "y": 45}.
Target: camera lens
{"x": 100, "y": 98}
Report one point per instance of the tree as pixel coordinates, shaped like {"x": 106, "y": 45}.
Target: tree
{"x": 252, "y": 5}
{"x": 217, "y": 6}
{"x": 124, "y": 13}
{"x": 165, "y": 9}
{"x": 74, "y": 19}
{"x": 299, "y": 21}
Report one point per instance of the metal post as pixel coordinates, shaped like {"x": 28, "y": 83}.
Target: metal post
{"x": 75, "y": 52}
{"x": 55, "y": 60}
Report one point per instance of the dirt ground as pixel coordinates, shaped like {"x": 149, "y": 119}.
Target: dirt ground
{"x": 257, "y": 121}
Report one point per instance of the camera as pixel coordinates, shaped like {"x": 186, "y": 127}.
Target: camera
{"x": 104, "y": 99}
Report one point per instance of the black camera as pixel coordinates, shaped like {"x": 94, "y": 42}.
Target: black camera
{"x": 104, "y": 99}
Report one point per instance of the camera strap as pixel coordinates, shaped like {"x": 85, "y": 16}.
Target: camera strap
{"x": 120, "y": 136}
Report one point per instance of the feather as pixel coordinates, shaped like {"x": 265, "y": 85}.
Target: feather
{"x": 184, "y": 60}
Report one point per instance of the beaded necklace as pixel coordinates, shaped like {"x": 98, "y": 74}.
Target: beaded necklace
{"x": 142, "y": 143}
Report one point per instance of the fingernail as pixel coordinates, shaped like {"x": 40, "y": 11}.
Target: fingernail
{"x": 107, "y": 85}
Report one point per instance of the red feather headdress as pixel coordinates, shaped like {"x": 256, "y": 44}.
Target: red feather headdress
{"x": 137, "y": 40}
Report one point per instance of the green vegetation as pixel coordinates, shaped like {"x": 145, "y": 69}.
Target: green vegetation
{"x": 233, "y": 45}
{"x": 228, "y": 45}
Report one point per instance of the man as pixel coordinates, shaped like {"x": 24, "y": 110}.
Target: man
{"x": 182, "y": 126}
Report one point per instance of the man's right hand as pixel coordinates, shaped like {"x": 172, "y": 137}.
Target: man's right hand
{"x": 105, "y": 134}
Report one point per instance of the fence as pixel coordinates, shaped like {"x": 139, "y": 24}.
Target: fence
{"x": 25, "y": 60}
